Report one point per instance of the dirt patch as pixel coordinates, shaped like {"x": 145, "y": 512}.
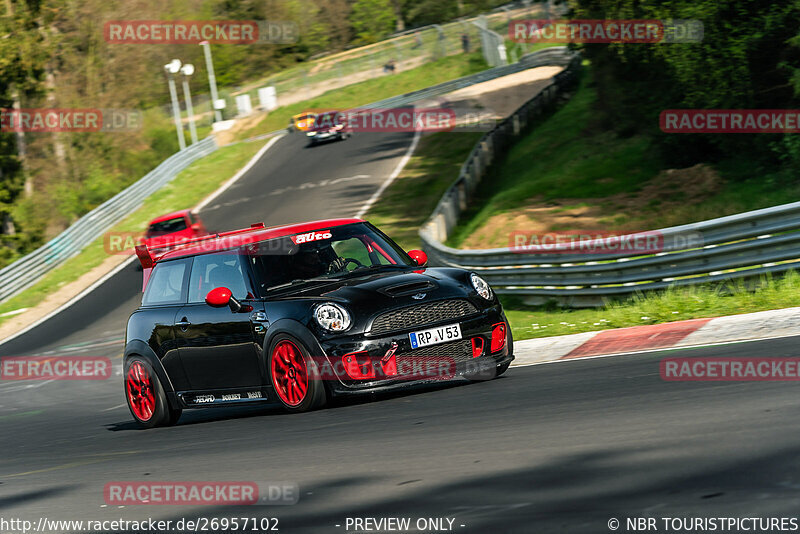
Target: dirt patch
{"x": 226, "y": 137}
{"x": 671, "y": 191}
{"x": 503, "y": 96}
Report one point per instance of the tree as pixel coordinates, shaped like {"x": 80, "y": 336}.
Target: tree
{"x": 372, "y": 20}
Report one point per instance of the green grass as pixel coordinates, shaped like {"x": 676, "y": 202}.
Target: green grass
{"x": 561, "y": 158}
{"x": 569, "y": 155}
{"x": 675, "y": 304}
{"x": 187, "y": 189}
{"x": 386, "y": 86}
{"x": 412, "y": 197}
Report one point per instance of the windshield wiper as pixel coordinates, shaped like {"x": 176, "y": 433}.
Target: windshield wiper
{"x": 297, "y": 281}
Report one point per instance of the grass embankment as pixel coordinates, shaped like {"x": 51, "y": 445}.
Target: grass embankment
{"x": 435, "y": 72}
{"x": 187, "y": 189}
{"x": 570, "y": 173}
{"x": 566, "y": 158}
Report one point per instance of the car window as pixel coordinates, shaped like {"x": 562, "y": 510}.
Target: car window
{"x": 356, "y": 249}
{"x": 168, "y": 226}
{"x": 211, "y": 271}
{"x": 167, "y": 284}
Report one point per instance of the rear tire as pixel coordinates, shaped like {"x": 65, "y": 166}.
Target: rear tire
{"x": 145, "y": 396}
{"x": 294, "y": 376}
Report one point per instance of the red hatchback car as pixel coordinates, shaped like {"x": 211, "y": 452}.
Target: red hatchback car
{"x": 173, "y": 228}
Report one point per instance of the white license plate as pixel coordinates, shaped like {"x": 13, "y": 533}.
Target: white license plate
{"x": 434, "y": 336}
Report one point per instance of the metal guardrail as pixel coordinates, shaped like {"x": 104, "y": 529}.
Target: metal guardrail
{"x": 735, "y": 247}
{"x": 28, "y": 269}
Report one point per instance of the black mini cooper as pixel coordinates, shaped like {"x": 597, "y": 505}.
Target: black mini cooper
{"x": 296, "y": 314}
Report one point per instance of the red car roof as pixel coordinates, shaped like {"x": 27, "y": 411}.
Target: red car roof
{"x": 254, "y": 234}
{"x": 168, "y": 216}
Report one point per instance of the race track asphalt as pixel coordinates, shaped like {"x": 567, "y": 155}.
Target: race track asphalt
{"x": 560, "y": 447}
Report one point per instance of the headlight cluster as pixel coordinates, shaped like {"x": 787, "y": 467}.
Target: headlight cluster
{"x": 332, "y": 317}
{"x": 481, "y": 286}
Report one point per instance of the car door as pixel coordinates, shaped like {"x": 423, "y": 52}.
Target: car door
{"x": 217, "y": 346}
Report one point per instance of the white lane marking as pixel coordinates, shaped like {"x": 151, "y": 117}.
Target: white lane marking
{"x": 14, "y": 312}
{"x": 90, "y": 346}
{"x": 239, "y": 174}
{"x": 663, "y": 349}
{"x": 395, "y": 173}
{"x": 321, "y": 183}
{"x": 100, "y": 281}
{"x": 114, "y": 408}
{"x": 21, "y": 387}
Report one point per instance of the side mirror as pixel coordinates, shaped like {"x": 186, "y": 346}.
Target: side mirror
{"x": 222, "y": 296}
{"x": 418, "y": 256}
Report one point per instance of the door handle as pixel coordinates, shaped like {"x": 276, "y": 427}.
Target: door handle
{"x": 183, "y": 324}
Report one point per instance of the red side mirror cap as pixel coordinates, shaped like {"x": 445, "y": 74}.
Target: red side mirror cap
{"x": 418, "y": 256}
{"x": 219, "y": 297}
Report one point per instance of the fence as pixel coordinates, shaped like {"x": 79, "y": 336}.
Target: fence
{"x": 737, "y": 247}
{"x": 404, "y": 51}
{"x": 28, "y": 269}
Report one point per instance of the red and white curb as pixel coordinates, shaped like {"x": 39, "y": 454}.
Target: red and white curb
{"x": 691, "y": 333}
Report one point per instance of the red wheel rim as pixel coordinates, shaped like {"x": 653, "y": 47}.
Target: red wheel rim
{"x": 141, "y": 393}
{"x": 289, "y": 373}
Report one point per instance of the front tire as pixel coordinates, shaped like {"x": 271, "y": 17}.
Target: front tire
{"x": 294, "y": 376}
{"x": 145, "y": 396}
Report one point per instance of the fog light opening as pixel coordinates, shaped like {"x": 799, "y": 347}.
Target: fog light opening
{"x": 358, "y": 365}
{"x": 477, "y": 346}
{"x": 498, "y": 337}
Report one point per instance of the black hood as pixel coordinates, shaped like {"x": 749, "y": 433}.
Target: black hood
{"x": 371, "y": 294}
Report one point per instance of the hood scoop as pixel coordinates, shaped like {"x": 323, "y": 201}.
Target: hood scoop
{"x": 412, "y": 288}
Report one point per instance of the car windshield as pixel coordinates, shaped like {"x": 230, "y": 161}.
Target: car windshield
{"x": 323, "y": 255}
{"x": 167, "y": 227}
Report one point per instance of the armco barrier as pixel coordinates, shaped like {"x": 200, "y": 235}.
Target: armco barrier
{"x": 25, "y": 271}
{"x": 741, "y": 246}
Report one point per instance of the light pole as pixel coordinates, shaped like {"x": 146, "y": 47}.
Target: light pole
{"x": 172, "y": 68}
{"x": 212, "y": 81}
{"x": 187, "y": 70}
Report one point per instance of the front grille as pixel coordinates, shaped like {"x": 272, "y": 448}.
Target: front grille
{"x": 421, "y": 315}
{"x": 437, "y": 362}
{"x": 460, "y": 351}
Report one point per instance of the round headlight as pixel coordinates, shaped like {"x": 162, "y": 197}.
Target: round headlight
{"x": 481, "y": 286}
{"x": 332, "y": 317}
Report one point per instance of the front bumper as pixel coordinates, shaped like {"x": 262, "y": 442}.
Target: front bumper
{"x": 434, "y": 363}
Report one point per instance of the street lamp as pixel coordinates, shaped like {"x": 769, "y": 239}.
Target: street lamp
{"x": 172, "y": 68}
{"x": 212, "y": 81}
{"x": 187, "y": 70}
